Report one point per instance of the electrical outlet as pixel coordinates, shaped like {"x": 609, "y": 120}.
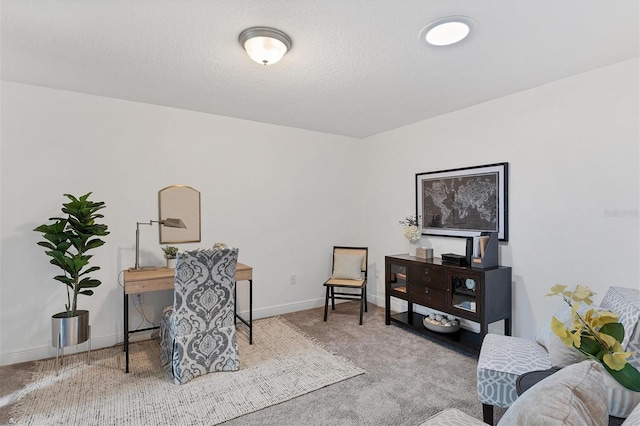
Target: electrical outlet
{"x": 139, "y": 298}
{"x": 292, "y": 279}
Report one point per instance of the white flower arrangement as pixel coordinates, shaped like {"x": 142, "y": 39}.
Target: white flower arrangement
{"x": 412, "y": 233}
{"x": 411, "y": 230}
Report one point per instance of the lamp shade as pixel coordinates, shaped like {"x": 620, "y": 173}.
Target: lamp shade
{"x": 265, "y": 45}
{"x": 171, "y": 222}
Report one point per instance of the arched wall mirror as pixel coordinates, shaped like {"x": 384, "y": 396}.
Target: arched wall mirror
{"x": 179, "y": 202}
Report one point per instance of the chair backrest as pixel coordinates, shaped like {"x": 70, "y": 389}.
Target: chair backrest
{"x": 204, "y": 287}
{"x": 353, "y": 251}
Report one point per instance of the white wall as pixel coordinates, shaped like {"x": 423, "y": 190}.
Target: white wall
{"x": 573, "y": 149}
{"x": 573, "y": 153}
{"x": 271, "y": 191}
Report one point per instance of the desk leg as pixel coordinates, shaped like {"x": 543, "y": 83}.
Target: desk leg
{"x": 237, "y": 317}
{"x": 251, "y": 312}
{"x": 126, "y": 332}
{"x": 235, "y": 303}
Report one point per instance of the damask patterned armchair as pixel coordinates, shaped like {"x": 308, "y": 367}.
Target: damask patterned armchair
{"x": 198, "y": 333}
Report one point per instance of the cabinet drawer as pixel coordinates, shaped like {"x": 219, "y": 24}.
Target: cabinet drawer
{"x": 428, "y": 296}
{"x": 428, "y": 276}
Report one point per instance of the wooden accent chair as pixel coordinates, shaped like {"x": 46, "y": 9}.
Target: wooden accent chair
{"x": 349, "y": 270}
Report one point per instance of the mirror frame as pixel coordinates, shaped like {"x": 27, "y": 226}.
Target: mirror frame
{"x": 180, "y": 202}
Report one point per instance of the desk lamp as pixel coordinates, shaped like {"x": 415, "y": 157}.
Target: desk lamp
{"x": 169, "y": 222}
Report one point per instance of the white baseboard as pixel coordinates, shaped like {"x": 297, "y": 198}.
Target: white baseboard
{"x": 271, "y": 311}
{"x": 37, "y": 353}
{"x": 301, "y": 306}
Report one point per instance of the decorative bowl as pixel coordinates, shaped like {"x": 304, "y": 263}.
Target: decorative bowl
{"x": 440, "y": 328}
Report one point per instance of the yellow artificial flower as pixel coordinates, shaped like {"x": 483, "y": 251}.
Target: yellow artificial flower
{"x": 568, "y": 338}
{"x": 582, "y": 294}
{"x": 577, "y": 323}
{"x": 610, "y": 341}
{"x": 579, "y": 328}
{"x": 597, "y": 319}
{"x": 556, "y": 289}
{"x": 616, "y": 360}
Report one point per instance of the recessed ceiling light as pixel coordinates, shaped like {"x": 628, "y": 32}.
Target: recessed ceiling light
{"x": 447, "y": 31}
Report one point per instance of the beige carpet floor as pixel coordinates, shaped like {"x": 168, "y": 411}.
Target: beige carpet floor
{"x": 408, "y": 376}
{"x": 282, "y": 364}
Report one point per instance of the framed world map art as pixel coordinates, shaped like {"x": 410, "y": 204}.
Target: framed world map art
{"x": 464, "y": 202}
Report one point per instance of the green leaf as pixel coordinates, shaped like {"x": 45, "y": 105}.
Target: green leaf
{"x": 63, "y": 246}
{"x": 46, "y": 244}
{"x": 64, "y": 279}
{"x": 613, "y": 329}
{"x": 60, "y": 260}
{"x": 88, "y": 271}
{"x": 95, "y": 243}
{"x": 89, "y": 283}
{"x": 69, "y": 284}
{"x": 590, "y": 346}
{"x": 86, "y": 292}
{"x": 628, "y": 377}
{"x": 54, "y": 228}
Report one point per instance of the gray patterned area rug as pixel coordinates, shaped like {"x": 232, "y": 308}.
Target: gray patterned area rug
{"x": 282, "y": 363}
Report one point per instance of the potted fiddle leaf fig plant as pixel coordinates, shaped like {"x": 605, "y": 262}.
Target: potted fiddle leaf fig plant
{"x": 170, "y": 253}
{"x": 67, "y": 240}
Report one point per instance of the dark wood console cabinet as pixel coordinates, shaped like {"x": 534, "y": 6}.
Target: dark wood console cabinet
{"x": 479, "y": 295}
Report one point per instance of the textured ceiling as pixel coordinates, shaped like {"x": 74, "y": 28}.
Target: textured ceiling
{"x": 356, "y": 68}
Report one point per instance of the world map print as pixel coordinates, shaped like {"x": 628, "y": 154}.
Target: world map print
{"x": 464, "y": 202}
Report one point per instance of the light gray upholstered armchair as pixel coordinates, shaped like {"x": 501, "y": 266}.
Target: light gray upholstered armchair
{"x": 504, "y": 358}
{"x": 198, "y": 333}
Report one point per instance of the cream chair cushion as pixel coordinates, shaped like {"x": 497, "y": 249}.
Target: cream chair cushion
{"x": 347, "y": 266}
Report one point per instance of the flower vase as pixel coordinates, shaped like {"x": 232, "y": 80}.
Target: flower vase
{"x": 171, "y": 263}
{"x": 413, "y": 245}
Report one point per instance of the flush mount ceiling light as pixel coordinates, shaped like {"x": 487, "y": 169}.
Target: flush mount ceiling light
{"x": 265, "y": 45}
{"x": 447, "y": 31}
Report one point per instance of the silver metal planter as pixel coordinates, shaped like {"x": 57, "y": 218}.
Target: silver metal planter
{"x": 70, "y": 331}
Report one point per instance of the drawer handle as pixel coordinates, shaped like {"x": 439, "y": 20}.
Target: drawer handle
{"x": 426, "y": 290}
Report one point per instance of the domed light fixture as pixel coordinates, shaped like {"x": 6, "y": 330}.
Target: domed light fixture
{"x": 447, "y": 31}
{"x": 265, "y": 45}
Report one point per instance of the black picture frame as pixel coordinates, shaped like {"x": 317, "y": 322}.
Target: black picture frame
{"x": 464, "y": 202}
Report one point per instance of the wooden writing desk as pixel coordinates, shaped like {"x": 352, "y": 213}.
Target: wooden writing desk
{"x": 158, "y": 279}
